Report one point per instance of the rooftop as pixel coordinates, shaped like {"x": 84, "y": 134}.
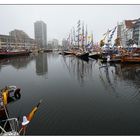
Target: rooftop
{"x": 130, "y": 23}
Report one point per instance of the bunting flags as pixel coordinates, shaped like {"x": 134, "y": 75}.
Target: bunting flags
{"x": 107, "y": 32}
{"x": 112, "y": 34}
{"x": 89, "y": 45}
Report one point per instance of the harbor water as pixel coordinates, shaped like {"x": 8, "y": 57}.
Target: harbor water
{"x": 79, "y": 97}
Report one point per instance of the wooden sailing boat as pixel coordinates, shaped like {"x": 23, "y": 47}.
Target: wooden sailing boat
{"x": 131, "y": 57}
{"x": 93, "y": 54}
{"x": 81, "y": 53}
{"x": 70, "y": 43}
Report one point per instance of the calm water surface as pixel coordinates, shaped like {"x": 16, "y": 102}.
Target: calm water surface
{"x": 79, "y": 98}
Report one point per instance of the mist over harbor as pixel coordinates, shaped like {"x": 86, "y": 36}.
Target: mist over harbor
{"x": 61, "y": 18}
{"x": 69, "y": 70}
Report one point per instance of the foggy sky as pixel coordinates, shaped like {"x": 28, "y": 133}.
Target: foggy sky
{"x": 61, "y": 18}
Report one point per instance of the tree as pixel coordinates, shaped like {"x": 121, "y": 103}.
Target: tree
{"x": 117, "y": 42}
{"x": 102, "y": 43}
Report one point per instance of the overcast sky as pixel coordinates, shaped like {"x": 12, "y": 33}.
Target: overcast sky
{"x": 61, "y": 18}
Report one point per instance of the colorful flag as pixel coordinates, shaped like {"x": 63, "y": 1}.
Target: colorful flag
{"x": 32, "y": 113}
{"x": 29, "y": 118}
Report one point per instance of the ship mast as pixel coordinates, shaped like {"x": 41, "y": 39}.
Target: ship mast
{"x": 86, "y": 36}
{"x": 83, "y": 37}
{"x": 92, "y": 40}
{"x": 78, "y": 26}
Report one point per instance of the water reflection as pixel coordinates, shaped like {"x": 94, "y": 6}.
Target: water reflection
{"x": 108, "y": 79}
{"x": 129, "y": 72}
{"x": 121, "y": 80}
{"x": 131, "y": 75}
{"x": 16, "y": 62}
{"x": 79, "y": 97}
{"x": 41, "y": 65}
{"x": 79, "y": 69}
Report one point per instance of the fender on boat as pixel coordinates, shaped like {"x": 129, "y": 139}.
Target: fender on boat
{"x": 17, "y": 94}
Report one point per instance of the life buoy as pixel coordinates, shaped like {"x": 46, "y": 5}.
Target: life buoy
{"x": 17, "y": 94}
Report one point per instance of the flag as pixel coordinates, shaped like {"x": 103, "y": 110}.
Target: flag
{"x": 78, "y": 22}
{"x": 30, "y": 117}
{"x": 112, "y": 34}
{"x": 32, "y": 113}
{"x": 107, "y": 32}
{"x": 89, "y": 45}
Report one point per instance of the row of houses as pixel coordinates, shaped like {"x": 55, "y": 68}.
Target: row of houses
{"x": 129, "y": 32}
{"x": 17, "y": 38}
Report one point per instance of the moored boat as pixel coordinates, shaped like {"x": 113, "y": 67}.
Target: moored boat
{"x": 83, "y": 55}
{"x": 13, "y": 53}
{"x": 94, "y": 55}
{"x": 130, "y": 59}
{"x": 48, "y": 50}
{"x": 67, "y": 52}
{"x": 114, "y": 58}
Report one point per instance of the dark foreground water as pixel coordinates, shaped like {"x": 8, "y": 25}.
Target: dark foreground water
{"x": 79, "y": 98}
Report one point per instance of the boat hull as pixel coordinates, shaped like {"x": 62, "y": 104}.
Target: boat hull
{"x": 67, "y": 53}
{"x": 13, "y": 54}
{"x": 130, "y": 59}
{"x": 83, "y": 56}
{"x": 94, "y": 56}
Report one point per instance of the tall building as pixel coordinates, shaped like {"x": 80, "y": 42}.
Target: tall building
{"x": 40, "y": 30}
{"x": 136, "y": 32}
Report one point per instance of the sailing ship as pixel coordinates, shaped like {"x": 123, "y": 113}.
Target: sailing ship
{"x": 81, "y": 52}
{"x": 94, "y": 50}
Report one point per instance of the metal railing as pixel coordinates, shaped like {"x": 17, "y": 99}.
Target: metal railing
{"x": 9, "y": 125}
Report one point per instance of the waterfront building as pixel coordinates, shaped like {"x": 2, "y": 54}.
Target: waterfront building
{"x": 65, "y": 44}
{"x": 19, "y": 34}
{"x": 49, "y": 45}
{"x": 17, "y": 39}
{"x": 40, "y": 31}
{"x": 136, "y": 32}
{"x": 125, "y": 32}
{"x": 55, "y": 43}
